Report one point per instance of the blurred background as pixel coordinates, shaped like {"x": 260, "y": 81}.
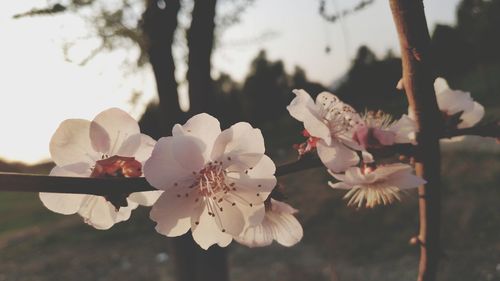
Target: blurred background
{"x": 166, "y": 60}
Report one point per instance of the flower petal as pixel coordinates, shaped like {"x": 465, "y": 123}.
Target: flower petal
{"x": 472, "y": 117}
{"x": 173, "y": 161}
{"x": 202, "y": 126}
{"x": 240, "y": 147}
{"x": 206, "y": 232}
{"x": 304, "y": 109}
{"x": 336, "y": 157}
{"x": 118, "y": 125}
{"x": 405, "y": 129}
{"x": 286, "y": 229}
{"x": 145, "y": 148}
{"x": 147, "y": 198}
{"x": 173, "y": 214}
{"x": 71, "y": 143}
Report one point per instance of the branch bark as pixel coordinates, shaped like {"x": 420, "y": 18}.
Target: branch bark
{"x": 411, "y": 25}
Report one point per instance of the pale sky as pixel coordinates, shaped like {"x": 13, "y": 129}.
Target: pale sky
{"x": 39, "y": 88}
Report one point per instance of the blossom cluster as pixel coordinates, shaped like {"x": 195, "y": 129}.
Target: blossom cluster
{"x": 217, "y": 183}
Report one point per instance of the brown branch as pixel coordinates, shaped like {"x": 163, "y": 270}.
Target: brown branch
{"x": 411, "y": 25}
{"x": 16, "y": 182}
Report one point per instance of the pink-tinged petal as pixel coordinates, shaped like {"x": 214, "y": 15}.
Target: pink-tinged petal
{"x": 385, "y": 171}
{"x": 405, "y": 180}
{"x": 278, "y": 224}
{"x": 282, "y": 207}
{"x": 173, "y": 161}
{"x": 451, "y": 101}
{"x": 118, "y": 125}
{"x": 172, "y": 214}
{"x": 286, "y": 229}
{"x": 260, "y": 235}
{"x": 147, "y": 198}
{"x": 145, "y": 148}
{"x": 239, "y": 147}
{"x": 336, "y": 157}
{"x": 367, "y": 157}
{"x": 384, "y": 137}
{"x": 61, "y": 203}
{"x": 339, "y": 185}
{"x": 97, "y": 212}
{"x": 354, "y": 175}
{"x": 129, "y": 147}
{"x": 71, "y": 143}
{"x": 472, "y": 117}
{"x": 440, "y": 85}
{"x": 405, "y": 129}
{"x": 206, "y": 232}
{"x": 99, "y": 138}
{"x": 304, "y": 109}
{"x": 202, "y": 126}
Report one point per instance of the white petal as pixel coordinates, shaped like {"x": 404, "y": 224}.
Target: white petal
{"x": 286, "y": 229}
{"x": 63, "y": 203}
{"x": 173, "y": 161}
{"x": 339, "y": 185}
{"x": 98, "y": 212}
{"x": 129, "y": 147}
{"x": 147, "y": 198}
{"x": 239, "y": 147}
{"x": 207, "y": 233}
{"x": 282, "y": 207}
{"x": 99, "y": 138}
{"x": 145, "y": 149}
{"x": 404, "y": 180}
{"x": 257, "y": 236}
{"x": 172, "y": 214}
{"x": 304, "y": 109}
{"x": 336, "y": 157}
{"x": 472, "y": 117}
{"x": 202, "y": 126}
{"x": 405, "y": 129}
{"x": 71, "y": 143}
{"x": 440, "y": 85}
{"x": 119, "y": 126}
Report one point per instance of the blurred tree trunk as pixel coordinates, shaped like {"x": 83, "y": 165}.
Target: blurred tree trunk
{"x": 210, "y": 264}
{"x": 159, "y": 25}
{"x": 200, "y": 38}
{"x": 191, "y": 262}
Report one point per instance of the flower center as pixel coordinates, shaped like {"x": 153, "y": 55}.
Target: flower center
{"x": 211, "y": 180}
{"x": 117, "y": 166}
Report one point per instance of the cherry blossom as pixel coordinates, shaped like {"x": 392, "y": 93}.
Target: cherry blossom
{"x": 215, "y": 183}
{"x": 278, "y": 224}
{"x": 377, "y": 185}
{"x": 111, "y": 145}
{"x": 332, "y": 123}
{"x": 451, "y": 102}
{"x": 380, "y": 129}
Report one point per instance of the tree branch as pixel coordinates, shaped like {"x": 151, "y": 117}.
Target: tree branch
{"x": 411, "y": 25}
{"x": 16, "y": 182}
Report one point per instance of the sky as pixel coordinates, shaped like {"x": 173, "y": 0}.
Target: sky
{"x": 39, "y": 88}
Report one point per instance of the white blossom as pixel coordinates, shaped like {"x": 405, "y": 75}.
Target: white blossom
{"x": 110, "y": 145}
{"x": 214, "y": 182}
{"x": 333, "y": 123}
{"x": 374, "y": 186}
{"x": 380, "y": 129}
{"x": 278, "y": 224}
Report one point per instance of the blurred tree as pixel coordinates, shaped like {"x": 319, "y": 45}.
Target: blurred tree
{"x": 371, "y": 83}
{"x": 267, "y": 89}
